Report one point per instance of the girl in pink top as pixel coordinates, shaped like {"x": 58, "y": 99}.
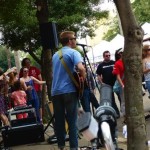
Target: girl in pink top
{"x": 19, "y": 98}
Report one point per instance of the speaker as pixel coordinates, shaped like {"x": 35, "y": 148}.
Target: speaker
{"x": 23, "y": 135}
{"x": 31, "y": 119}
{"x": 48, "y": 34}
{"x": 22, "y": 122}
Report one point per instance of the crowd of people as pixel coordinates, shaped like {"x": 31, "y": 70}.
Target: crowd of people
{"x": 25, "y": 88}
{"x": 64, "y": 92}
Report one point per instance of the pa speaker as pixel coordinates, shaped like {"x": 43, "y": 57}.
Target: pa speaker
{"x": 48, "y": 34}
{"x": 23, "y": 135}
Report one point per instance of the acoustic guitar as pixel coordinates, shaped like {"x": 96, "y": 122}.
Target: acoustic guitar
{"x": 80, "y": 81}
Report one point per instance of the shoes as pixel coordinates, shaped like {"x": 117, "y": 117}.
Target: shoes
{"x": 147, "y": 116}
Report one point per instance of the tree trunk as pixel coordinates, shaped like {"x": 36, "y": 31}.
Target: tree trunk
{"x": 42, "y": 16}
{"x": 8, "y": 57}
{"x": 17, "y": 60}
{"x": 132, "y": 58}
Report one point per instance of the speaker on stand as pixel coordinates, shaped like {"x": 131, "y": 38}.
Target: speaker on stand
{"x": 48, "y": 34}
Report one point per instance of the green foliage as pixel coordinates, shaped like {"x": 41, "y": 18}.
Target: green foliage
{"x": 20, "y": 28}
{"x": 76, "y": 15}
{"x": 38, "y": 55}
{"x": 142, "y": 10}
{"x": 19, "y": 24}
{"x": 113, "y": 30}
{"x": 3, "y": 58}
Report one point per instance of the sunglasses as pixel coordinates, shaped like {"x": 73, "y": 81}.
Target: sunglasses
{"x": 107, "y": 55}
{"x": 25, "y": 70}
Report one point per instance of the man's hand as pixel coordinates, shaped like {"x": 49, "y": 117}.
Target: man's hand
{"x": 80, "y": 111}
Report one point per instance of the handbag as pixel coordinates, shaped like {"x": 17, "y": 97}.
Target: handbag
{"x": 116, "y": 87}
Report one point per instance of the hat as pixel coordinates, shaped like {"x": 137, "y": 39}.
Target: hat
{"x": 146, "y": 43}
{"x": 120, "y": 50}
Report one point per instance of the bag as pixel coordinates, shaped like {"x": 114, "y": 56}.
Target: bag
{"x": 116, "y": 87}
{"x": 88, "y": 126}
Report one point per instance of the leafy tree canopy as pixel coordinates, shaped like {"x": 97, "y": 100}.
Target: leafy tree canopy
{"x": 19, "y": 25}
{"x": 113, "y": 29}
{"x": 141, "y": 10}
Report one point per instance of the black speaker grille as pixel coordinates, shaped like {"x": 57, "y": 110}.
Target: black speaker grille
{"x": 48, "y": 34}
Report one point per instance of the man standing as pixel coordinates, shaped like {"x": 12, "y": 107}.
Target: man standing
{"x": 64, "y": 95}
{"x": 105, "y": 75}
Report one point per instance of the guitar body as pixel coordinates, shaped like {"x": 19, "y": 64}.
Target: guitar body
{"x": 80, "y": 82}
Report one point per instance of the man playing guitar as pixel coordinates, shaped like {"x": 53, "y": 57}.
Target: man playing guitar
{"x": 64, "y": 95}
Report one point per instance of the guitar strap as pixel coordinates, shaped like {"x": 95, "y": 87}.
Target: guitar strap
{"x": 67, "y": 68}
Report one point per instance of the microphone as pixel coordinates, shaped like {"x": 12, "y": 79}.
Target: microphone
{"x": 82, "y": 45}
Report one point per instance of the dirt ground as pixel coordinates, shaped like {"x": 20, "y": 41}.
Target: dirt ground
{"x": 122, "y": 142}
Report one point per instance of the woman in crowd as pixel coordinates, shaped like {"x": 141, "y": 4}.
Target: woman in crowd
{"x": 3, "y": 94}
{"x": 146, "y": 66}
{"x": 32, "y": 97}
{"x": 118, "y": 55}
{"x": 119, "y": 72}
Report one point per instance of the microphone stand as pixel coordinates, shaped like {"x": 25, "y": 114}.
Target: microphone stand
{"x": 86, "y": 58}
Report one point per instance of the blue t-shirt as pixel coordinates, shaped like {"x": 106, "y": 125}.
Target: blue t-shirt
{"x": 62, "y": 82}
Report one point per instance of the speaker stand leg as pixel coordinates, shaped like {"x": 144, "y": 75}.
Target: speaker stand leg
{"x": 49, "y": 123}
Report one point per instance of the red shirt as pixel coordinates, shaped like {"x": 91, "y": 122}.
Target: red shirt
{"x": 119, "y": 68}
{"x": 35, "y": 72}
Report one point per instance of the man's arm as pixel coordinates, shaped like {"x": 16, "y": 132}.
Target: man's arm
{"x": 81, "y": 70}
{"x": 99, "y": 74}
{"x": 100, "y": 79}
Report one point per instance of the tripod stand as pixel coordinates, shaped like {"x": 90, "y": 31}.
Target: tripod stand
{"x": 90, "y": 82}
{"x": 88, "y": 62}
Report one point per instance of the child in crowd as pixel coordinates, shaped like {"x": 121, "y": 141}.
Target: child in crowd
{"x": 19, "y": 98}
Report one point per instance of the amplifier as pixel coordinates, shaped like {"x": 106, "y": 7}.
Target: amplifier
{"x": 23, "y": 135}
{"x": 31, "y": 119}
